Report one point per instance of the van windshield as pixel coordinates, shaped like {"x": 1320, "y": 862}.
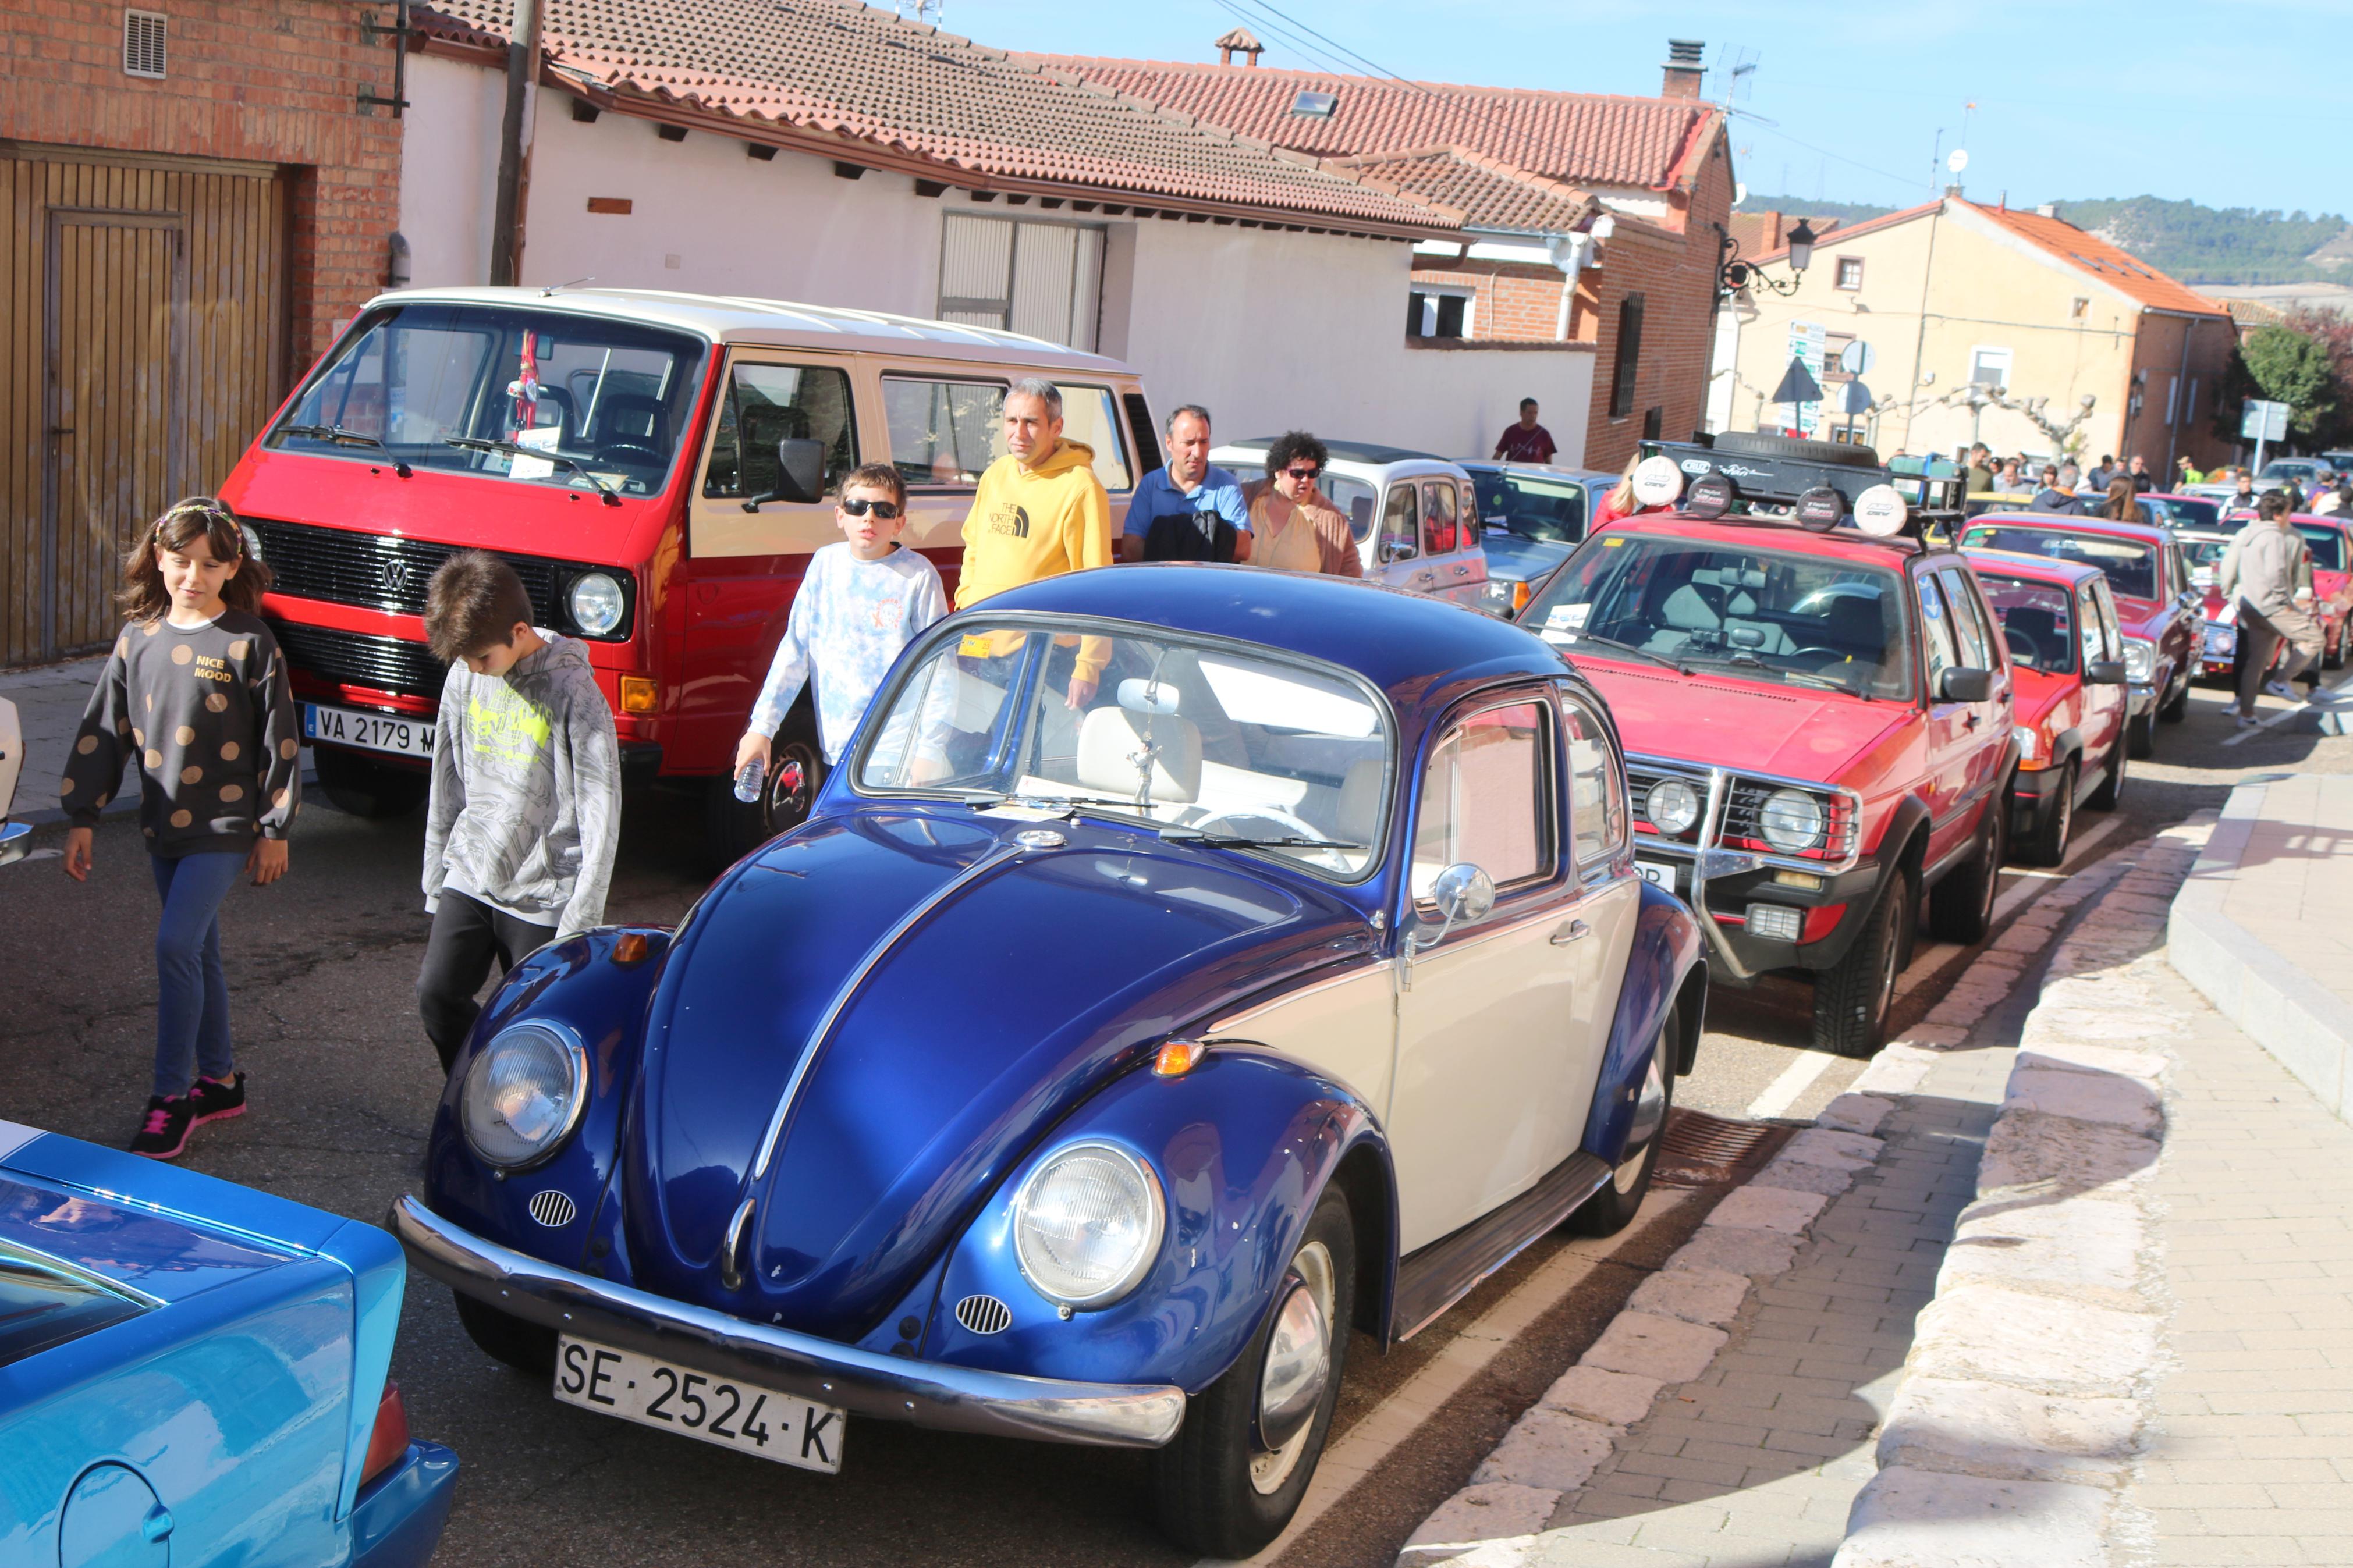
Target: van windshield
{"x": 449, "y": 386}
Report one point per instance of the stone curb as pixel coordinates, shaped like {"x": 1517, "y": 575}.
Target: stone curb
{"x": 2012, "y": 1432}
{"x": 1671, "y": 1330}
{"x": 2307, "y": 1027}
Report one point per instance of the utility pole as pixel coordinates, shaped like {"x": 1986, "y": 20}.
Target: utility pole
{"x": 514, "y": 143}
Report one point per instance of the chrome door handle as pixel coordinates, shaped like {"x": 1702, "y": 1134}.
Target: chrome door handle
{"x": 1463, "y": 570}
{"x": 1574, "y": 930}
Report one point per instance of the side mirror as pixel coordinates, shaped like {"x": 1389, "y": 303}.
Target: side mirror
{"x": 1962, "y": 684}
{"x": 800, "y": 474}
{"x": 2105, "y": 672}
{"x": 1464, "y": 896}
{"x": 1396, "y": 549}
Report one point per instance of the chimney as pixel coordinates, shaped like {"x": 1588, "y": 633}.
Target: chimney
{"x": 1954, "y": 192}
{"x": 1682, "y": 68}
{"x": 2048, "y": 209}
{"x": 1239, "y": 42}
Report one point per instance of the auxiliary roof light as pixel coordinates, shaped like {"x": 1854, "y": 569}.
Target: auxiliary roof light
{"x": 1657, "y": 481}
{"x": 1880, "y": 511}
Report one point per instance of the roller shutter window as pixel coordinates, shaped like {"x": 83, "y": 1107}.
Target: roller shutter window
{"x": 1044, "y": 279}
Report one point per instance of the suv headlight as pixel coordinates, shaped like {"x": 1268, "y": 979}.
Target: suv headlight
{"x": 2140, "y": 659}
{"x": 596, "y": 601}
{"x": 1087, "y": 1224}
{"x": 523, "y": 1094}
{"x": 2030, "y": 742}
{"x": 1672, "y": 806}
{"x": 1792, "y": 820}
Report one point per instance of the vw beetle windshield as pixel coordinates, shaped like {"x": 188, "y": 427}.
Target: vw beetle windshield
{"x": 533, "y": 396}
{"x": 1796, "y": 619}
{"x": 1205, "y": 741}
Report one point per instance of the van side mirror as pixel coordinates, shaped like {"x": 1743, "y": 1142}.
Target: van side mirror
{"x": 1395, "y": 550}
{"x": 2105, "y": 672}
{"x": 800, "y": 474}
{"x": 1962, "y": 684}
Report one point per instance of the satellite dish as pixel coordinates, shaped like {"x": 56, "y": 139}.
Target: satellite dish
{"x": 1957, "y": 159}
{"x": 1739, "y": 193}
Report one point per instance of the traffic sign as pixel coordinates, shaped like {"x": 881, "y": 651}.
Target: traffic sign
{"x": 1857, "y": 358}
{"x": 2263, "y": 421}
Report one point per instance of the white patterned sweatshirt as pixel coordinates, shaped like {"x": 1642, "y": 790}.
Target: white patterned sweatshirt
{"x": 848, "y": 621}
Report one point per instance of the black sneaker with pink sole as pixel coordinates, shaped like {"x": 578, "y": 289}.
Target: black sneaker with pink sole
{"x": 216, "y": 1100}
{"x": 164, "y": 1133}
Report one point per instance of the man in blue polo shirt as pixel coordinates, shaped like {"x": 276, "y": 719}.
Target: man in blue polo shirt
{"x": 1185, "y": 490}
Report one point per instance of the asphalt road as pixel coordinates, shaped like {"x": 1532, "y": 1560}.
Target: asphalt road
{"x": 343, "y": 1088}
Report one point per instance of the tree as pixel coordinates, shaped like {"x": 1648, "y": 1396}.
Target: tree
{"x": 2291, "y": 367}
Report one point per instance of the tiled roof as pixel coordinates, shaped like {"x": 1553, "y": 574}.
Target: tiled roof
{"x": 1767, "y": 233}
{"x": 1586, "y": 139}
{"x": 1846, "y": 231}
{"x": 2256, "y": 313}
{"x": 2111, "y": 265}
{"x": 1489, "y": 193}
{"x": 850, "y": 70}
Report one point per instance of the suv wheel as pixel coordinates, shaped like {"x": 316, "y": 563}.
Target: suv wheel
{"x": 2048, "y": 844}
{"x": 2112, "y": 787}
{"x": 1961, "y": 907}
{"x": 1854, "y": 996}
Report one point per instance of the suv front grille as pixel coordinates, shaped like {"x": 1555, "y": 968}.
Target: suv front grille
{"x": 1747, "y": 801}
{"x": 354, "y": 658}
{"x": 383, "y": 571}
{"x": 1641, "y": 775}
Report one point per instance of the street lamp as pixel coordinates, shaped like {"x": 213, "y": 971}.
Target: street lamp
{"x": 1734, "y": 275}
{"x": 1977, "y": 397}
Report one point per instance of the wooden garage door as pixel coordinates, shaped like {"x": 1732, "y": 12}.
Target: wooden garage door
{"x": 152, "y": 305}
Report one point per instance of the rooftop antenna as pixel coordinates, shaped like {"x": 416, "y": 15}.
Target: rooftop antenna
{"x": 1735, "y": 76}
{"x": 926, "y": 12}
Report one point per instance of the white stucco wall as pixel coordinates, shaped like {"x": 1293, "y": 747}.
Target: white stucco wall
{"x": 1273, "y": 330}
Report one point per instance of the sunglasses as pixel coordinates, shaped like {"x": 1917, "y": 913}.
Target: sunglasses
{"x": 885, "y": 510}
{"x": 1303, "y": 473}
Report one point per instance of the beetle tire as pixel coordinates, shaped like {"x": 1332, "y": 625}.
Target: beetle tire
{"x": 2048, "y": 847}
{"x": 1201, "y": 1481}
{"x": 733, "y": 829}
{"x": 1961, "y": 907}
{"x": 1854, "y": 997}
{"x": 377, "y": 792}
{"x": 1613, "y": 1208}
{"x": 526, "y": 1347}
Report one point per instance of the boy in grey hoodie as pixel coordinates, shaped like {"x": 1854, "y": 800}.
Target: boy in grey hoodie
{"x": 526, "y": 803}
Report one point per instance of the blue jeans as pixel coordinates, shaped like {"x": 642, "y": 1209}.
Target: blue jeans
{"x": 191, "y": 991}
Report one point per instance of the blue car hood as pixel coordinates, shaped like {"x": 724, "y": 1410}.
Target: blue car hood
{"x": 940, "y": 1054}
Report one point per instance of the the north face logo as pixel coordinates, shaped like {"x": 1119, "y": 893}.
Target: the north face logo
{"x": 1014, "y": 523}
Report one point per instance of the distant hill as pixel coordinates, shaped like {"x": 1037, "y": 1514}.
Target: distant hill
{"x": 2195, "y": 244}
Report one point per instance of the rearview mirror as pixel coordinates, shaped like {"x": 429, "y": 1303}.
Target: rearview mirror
{"x": 1464, "y": 896}
{"x": 800, "y": 473}
{"x": 2105, "y": 672}
{"x": 1962, "y": 684}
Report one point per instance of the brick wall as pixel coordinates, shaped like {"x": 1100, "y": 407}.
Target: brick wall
{"x": 1515, "y": 301}
{"x": 273, "y": 83}
{"x": 1673, "y": 269}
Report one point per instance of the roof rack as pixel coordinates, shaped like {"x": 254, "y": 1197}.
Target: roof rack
{"x": 1805, "y": 492}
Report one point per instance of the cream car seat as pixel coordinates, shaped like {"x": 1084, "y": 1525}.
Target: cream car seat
{"x": 1123, "y": 754}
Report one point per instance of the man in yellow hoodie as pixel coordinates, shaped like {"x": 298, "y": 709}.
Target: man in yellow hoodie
{"x": 1039, "y": 512}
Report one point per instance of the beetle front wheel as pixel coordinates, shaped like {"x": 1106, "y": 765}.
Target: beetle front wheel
{"x": 1236, "y": 1471}
{"x": 1613, "y": 1208}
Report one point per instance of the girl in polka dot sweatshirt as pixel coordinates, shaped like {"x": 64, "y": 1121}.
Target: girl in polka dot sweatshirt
{"x": 195, "y": 696}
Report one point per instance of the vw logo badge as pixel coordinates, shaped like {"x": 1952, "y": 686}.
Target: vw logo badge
{"x": 396, "y": 576}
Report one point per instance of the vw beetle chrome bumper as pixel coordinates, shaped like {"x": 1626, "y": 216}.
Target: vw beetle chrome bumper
{"x": 950, "y": 1398}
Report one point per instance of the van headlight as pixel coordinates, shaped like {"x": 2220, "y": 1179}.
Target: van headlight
{"x": 1087, "y": 1224}
{"x": 523, "y": 1094}
{"x": 2140, "y": 659}
{"x": 1791, "y": 821}
{"x": 596, "y": 601}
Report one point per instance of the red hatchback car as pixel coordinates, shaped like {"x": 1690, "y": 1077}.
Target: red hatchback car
{"x": 2058, "y": 622}
{"x": 2158, "y": 611}
{"x": 1819, "y": 733}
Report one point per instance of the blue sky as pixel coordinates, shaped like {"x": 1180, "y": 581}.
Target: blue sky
{"x": 2243, "y": 103}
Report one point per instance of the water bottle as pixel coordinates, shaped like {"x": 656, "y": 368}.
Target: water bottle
{"x": 748, "y": 783}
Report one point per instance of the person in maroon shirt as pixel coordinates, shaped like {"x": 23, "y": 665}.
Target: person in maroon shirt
{"x": 1526, "y": 442}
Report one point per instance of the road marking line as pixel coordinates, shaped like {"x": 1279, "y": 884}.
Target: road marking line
{"x": 1795, "y": 1080}
{"x": 2310, "y": 705}
{"x": 1396, "y": 1420}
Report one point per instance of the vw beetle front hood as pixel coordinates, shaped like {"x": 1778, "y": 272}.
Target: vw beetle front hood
{"x": 904, "y": 1003}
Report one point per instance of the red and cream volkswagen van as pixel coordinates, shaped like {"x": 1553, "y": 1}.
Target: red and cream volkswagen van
{"x": 659, "y": 468}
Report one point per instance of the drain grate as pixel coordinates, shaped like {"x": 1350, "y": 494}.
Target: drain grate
{"x": 1704, "y": 1151}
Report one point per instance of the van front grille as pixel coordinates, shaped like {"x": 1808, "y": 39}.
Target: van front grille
{"x": 354, "y": 658}
{"x": 383, "y": 570}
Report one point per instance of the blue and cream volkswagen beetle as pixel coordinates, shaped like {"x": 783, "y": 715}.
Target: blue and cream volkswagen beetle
{"x": 1185, "y": 964}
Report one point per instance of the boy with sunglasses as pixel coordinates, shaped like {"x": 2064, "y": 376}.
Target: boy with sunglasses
{"x": 861, "y": 602}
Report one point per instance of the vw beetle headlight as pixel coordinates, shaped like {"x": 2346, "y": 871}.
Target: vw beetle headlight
{"x": 1791, "y": 821}
{"x": 1087, "y": 1224}
{"x": 2140, "y": 659}
{"x": 1672, "y": 806}
{"x": 596, "y": 602}
{"x": 523, "y": 1095}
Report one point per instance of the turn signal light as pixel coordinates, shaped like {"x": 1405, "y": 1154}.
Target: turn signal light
{"x": 1178, "y": 1058}
{"x": 390, "y": 1439}
{"x": 629, "y": 948}
{"x": 640, "y": 694}
{"x": 1520, "y": 596}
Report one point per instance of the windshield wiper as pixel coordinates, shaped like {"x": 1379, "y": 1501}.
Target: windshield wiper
{"x": 343, "y": 437}
{"x": 1658, "y": 658}
{"x": 476, "y": 444}
{"x": 984, "y": 799}
{"x": 1749, "y": 661}
{"x": 1240, "y": 840}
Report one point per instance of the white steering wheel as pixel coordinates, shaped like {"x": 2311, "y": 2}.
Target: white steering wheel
{"x": 1290, "y": 822}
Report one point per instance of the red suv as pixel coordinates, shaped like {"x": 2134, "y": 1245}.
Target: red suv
{"x": 1818, "y": 719}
